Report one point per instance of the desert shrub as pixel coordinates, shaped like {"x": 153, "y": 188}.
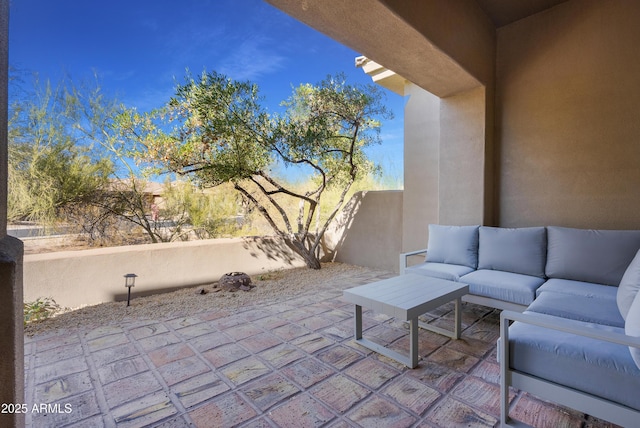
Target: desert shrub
{"x": 40, "y": 309}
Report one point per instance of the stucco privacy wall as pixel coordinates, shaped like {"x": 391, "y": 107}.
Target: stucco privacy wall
{"x": 568, "y": 101}
{"x": 76, "y": 278}
{"x": 368, "y": 231}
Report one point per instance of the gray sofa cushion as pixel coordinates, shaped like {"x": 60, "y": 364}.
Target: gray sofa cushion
{"x": 521, "y": 250}
{"x": 629, "y": 286}
{"x": 507, "y": 286}
{"x": 599, "y": 256}
{"x": 440, "y": 270}
{"x": 579, "y": 288}
{"x": 586, "y": 308}
{"x": 456, "y": 245}
{"x": 632, "y": 327}
{"x": 600, "y": 368}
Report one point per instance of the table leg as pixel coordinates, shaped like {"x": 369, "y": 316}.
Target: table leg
{"x": 413, "y": 343}
{"x": 358, "y": 325}
{"x": 458, "y": 320}
{"x": 410, "y": 362}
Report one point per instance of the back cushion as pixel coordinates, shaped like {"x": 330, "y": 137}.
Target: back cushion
{"x": 599, "y": 256}
{"x": 457, "y": 245}
{"x": 522, "y": 250}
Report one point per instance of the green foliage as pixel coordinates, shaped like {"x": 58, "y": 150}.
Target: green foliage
{"x": 222, "y": 134}
{"x": 79, "y": 157}
{"x": 328, "y": 126}
{"x": 206, "y": 214}
{"x": 49, "y": 164}
{"x": 40, "y": 309}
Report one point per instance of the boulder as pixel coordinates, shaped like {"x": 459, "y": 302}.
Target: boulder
{"x": 234, "y": 281}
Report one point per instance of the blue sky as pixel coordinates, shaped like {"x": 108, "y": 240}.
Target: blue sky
{"x": 141, "y": 48}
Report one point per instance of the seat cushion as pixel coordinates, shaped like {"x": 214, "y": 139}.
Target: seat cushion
{"x": 599, "y": 256}
{"x": 579, "y": 288}
{"x": 440, "y": 270}
{"x": 522, "y": 250}
{"x": 506, "y": 286}
{"x": 456, "y": 245}
{"x": 586, "y": 308}
{"x": 600, "y": 368}
{"x": 629, "y": 286}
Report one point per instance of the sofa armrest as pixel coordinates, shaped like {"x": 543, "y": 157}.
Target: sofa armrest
{"x": 560, "y": 324}
{"x": 405, "y": 256}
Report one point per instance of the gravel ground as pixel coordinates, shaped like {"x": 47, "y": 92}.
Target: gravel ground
{"x": 268, "y": 287}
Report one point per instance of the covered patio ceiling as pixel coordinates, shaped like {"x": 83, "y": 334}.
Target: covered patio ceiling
{"x": 441, "y": 46}
{"x": 503, "y": 12}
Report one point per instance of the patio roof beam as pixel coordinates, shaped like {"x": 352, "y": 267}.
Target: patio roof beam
{"x": 385, "y": 33}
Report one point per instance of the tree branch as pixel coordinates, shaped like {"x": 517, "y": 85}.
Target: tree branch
{"x": 260, "y": 208}
{"x": 275, "y": 204}
{"x": 281, "y": 189}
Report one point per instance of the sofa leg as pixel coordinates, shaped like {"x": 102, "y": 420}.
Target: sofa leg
{"x": 505, "y": 378}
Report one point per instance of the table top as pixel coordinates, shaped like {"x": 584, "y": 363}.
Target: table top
{"x": 406, "y": 296}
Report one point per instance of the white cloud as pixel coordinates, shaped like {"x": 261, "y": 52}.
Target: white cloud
{"x": 253, "y": 58}
{"x": 238, "y": 39}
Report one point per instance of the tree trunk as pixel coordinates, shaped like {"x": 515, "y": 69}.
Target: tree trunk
{"x": 312, "y": 261}
{"x": 307, "y": 255}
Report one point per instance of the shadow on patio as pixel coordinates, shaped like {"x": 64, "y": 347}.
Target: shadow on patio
{"x": 290, "y": 364}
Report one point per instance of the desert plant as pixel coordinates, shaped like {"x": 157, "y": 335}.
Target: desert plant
{"x": 50, "y": 164}
{"x": 40, "y": 309}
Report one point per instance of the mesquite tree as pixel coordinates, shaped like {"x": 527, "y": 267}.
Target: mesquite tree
{"x": 225, "y": 135}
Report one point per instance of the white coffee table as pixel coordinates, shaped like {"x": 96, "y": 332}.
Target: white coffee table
{"x": 406, "y": 297}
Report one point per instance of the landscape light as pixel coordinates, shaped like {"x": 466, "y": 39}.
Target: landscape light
{"x": 129, "y": 281}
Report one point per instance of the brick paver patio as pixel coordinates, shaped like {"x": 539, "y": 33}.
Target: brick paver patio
{"x": 288, "y": 364}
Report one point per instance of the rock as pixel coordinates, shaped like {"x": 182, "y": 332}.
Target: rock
{"x": 235, "y": 281}
{"x": 201, "y": 290}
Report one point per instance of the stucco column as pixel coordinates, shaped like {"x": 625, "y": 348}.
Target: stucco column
{"x": 465, "y": 193}
{"x": 421, "y": 199}
{"x": 11, "y": 251}
{"x": 448, "y": 162}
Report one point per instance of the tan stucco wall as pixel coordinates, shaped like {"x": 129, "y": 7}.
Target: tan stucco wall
{"x": 77, "y": 278}
{"x": 462, "y": 187}
{"x": 368, "y": 231}
{"x": 421, "y": 166}
{"x": 447, "y": 157}
{"x": 11, "y": 329}
{"x": 567, "y": 119}
{"x": 11, "y": 250}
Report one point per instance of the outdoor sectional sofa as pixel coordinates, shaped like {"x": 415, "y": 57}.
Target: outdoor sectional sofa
{"x": 570, "y": 317}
